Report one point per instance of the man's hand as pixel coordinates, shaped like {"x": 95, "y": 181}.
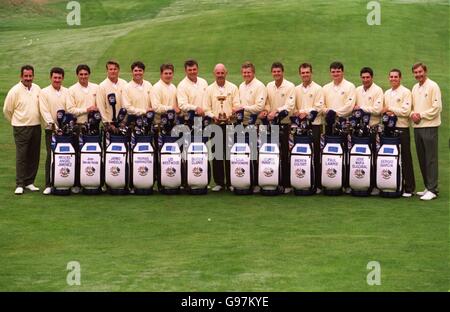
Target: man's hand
{"x": 415, "y": 117}
{"x": 177, "y": 109}
{"x": 302, "y": 115}
{"x": 199, "y": 111}
{"x": 356, "y": 107}
{"x": 234, "y": 110}
{"x": 91, "y": 108}
{"x": 272, "y": 115}
{"x": 263, "y": 114}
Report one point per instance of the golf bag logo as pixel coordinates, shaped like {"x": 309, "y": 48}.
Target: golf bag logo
{"x": 90, "y": 171}
{"x": 114, "y": 171}
{"x": 359, "y": 173}
{"x": 386, "y": 174}
{"x": 64, "y": 172}
{"x": 331, "y": 173}
{"x": 268, "y": 172}
{"x": 300, "y": 173}
{"x": 197, "y": 171}
{"x": 143, "y": 171}
{"x": 239, "y": 172}
{"x": 170, "y": 171}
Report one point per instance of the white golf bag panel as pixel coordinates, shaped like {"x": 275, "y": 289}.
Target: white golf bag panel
{"x": 143, "y": 163}
{"x": 269, "y": 167}
{"x": 333, "y": 163}
{"x": 170, "y": 166}
{"x": 302, "y": 164}
{"x": 197, "y": 166}
{"x": 91, "y": 163}
{"x": 388, "y": 168}
{"x": 116, "y": 163}
{"x": 63, "y": 164}
{"x": 240, "y": 166}
{"x": 360, "y": 164}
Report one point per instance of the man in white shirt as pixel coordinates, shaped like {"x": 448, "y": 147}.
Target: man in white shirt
{"x": 191, "y": 89}
{"x": 398, "y": 101}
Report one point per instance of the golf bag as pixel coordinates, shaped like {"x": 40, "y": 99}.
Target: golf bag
{"x": 198, "y": 171}
{"x": 63, "y": 157}
{"x": 170, "y": 158}
{"x": 302, "y": 155}
{"x": 388, "y": 165}
{"x": 91, "y": 155}
{"x": 360, "y": 158}
{"x": 142, "y": 158}
{"x": 242, "y": 170}
{"x": 117, "y": 155}
{"x": 269, "y": 164}
{"x": 333, "y": 156}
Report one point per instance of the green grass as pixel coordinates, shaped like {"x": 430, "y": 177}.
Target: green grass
{"x": 162, "y": 243}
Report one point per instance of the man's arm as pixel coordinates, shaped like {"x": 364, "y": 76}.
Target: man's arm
{"x": 8, "y": 106}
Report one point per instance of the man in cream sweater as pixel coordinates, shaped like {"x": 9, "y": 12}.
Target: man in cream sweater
{"x": 190, "y": 90}
{"x": 136, "y": 94}
{"x": 426, "y": 118}
{"x": 53, "y": 98}
{"x": 309, "y": 97}
{"x": 220, "y": 98}
{"x": 21, "y": 109}
{"x": 111, "y": 85}
{"x": 397, "y": 101}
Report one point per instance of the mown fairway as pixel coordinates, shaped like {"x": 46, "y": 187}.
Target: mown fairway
{"x": 161, "y": 243}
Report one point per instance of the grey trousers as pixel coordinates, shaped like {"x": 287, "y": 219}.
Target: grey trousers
{"x": 28, "y": 148}
{"x": 427, "y": 151}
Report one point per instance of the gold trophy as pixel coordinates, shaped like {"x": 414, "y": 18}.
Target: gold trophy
{"x": 222, "y": 115}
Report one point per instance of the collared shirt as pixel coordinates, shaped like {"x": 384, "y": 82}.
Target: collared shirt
{"x": 107, "y": 87}
{"x": 163, "y": 96}
{"x": 340, "y": 98}
{"x": 281, "y": 98}
{"x": 190, "y": 94}
{"x": 136, "y": 97}
{"x": 82, "y": 98}
{"x": 309, "y": 98}
{"x": 213, "y": 106}
{"x": 398, "y": 101}
{"x": 427, "y": 101}
{"x": 253, "y": 97}
{"x": 51, "y": 101}
{"x": 370, "y": 101}
{"x": 21, "y": 107}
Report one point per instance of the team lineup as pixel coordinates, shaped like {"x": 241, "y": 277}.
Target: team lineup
{"x": 334, "y": 139}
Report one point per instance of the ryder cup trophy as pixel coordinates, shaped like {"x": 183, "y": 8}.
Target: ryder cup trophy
{"x": 223, "y": 119}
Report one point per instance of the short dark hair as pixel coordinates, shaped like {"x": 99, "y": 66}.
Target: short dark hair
{"x": 305, "y": 65}
{"x": 337, "y": 65}
{"x": 165, "y": 66}
{"x": 395, "y": 70}
{"x": 249, "y": 65}
{"x": 190, "y": 63}
{"x": 277, "y": 65}
{"x": 138, "y": 64}
{"x": 112, "y": 62}
{"x": 419, "y": 64}
{"x": 26, "y": 67}
{"x": 83, "y": 67}
{"x": 367, "y": 70}
{"x": 56, "y": 70}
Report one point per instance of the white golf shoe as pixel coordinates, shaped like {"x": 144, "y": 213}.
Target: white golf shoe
{"x": 32, "y": 188}
{"x": 428, "y": 196}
